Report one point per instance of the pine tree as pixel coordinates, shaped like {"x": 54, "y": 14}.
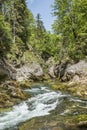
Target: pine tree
{"x": 71, "y": 24}
{"x": 5, "y": 36}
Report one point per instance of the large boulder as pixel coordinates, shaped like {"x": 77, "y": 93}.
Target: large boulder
{"x": 66, "y": 71}
{"x": 79, "y": 69}
{"x": 11, "y": 94}
{"x": 30, "y": 71}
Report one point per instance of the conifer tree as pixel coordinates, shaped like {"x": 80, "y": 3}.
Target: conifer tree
{"x": 71, "y": 24}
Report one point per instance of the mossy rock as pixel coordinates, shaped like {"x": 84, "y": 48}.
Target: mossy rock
{"x": 11, "y": 94}
{"x": 25, "y": 84}
{"x": 5, "y": 100}
{"x": 59, "y": 86}
{"x": 5, "y": 109}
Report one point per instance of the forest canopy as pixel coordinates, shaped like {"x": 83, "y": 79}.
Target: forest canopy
{"x": 19, "y": 29}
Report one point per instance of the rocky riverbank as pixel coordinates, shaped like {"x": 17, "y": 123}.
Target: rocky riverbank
{"x": 11, "y": 93}
{"x": 66, "y": 77}
{"x": 58, "y": 123}
{"x": 13, "y": 80}
{"x": 69, "y": 114}
{"x": 72, "y": 77}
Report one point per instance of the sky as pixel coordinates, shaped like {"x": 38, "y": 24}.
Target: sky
{"x": 44, "y": 8}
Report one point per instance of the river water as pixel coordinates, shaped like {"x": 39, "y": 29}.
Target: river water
{"x": 43, "y": 103}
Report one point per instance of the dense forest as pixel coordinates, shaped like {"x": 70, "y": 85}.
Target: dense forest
{"x": 19, "y": 30}
{"x": 43, "y": 74}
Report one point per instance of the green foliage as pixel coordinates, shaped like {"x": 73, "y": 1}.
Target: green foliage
{"x": 5, "y": 36}
{"x": 16, "y": 23}
{"x": 19, "y": 31}
{"x": 71, "y": 24}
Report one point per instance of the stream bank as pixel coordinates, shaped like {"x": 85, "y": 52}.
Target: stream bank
{"x": 46, "y": 110}
{"x": 72, "y": 80}
{"x": 69, "y": 113}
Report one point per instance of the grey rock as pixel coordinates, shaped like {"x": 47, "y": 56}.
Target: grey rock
{"x": 66, "y": 71}
{"x": 51, "y": 71}
{"x": 29, "y": 71}
{"x": 76, "y": 70}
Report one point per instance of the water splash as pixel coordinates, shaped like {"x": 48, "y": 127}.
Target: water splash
{"x": 39, "y": 105}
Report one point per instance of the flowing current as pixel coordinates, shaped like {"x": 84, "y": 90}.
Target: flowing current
{"x": 44, "y": 100}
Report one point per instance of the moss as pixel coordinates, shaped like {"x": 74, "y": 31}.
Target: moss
{"x": 25, "y": 84}
{"x": 5, "y": 100}
{"x": 29, "y": 124}
{"x": 5, "y": 109}
{"x": 46, "y": 78}
{"x": 82, "y": 117}
{"x": 11, "y": 93}
{"x": 76, "y": 89}
{"x": 59, "y": 86}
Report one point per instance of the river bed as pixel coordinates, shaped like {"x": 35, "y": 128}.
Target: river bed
{"x": 45, "y": 110}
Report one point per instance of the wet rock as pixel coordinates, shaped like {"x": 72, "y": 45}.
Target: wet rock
{"x": 52, "y": 123}
{"x": 11, "y": 94}
{"x": 5, "y": 100}
{"x": 57, "y": 128}
{"x": 82, "y": 124}
{"x": 15, "y": 92}
{"x": 25, "y": 84}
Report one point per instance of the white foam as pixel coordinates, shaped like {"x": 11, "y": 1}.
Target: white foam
{"x": 39, "y": 105}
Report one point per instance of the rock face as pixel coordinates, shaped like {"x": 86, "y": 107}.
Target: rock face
{"x": 67, "y": 72}
{"x": 51, "y": 72}
{"x": 60, "y": 69}
{"x": 79, "y": 70}
{"x": 29, "y": 71}
{"x": 50, "y": 65}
